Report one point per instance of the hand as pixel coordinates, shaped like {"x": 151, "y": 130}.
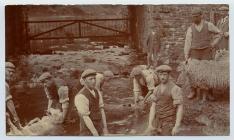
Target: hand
{"x": 47, "y": 112}
{"x": 105, "y": 131}
{"x": 95, "y": 134}
{"x": 175, "y": 130}
{"x": 17, "y": 123}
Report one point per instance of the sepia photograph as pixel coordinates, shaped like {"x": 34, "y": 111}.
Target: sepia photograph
{"x": 117, "y": 70}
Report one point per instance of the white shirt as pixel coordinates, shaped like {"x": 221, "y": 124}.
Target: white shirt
{"x": 82, "y": 103}
{"x": 188, "y": 40}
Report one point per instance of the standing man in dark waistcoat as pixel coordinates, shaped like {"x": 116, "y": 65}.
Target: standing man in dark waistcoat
{"x": 198, "y": 43}
{"x": 166, "y": 111}
{"x": 90, "y": 106}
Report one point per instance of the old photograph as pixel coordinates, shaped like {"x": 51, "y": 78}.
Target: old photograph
{"x": 117, "y": 70}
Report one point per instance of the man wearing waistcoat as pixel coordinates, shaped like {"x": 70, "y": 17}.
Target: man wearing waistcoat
{"x": 166, "y": 111}
{"x": 57, "y": 93}
{"x": 90, "y": 106}
{"x": 198, "y": 43}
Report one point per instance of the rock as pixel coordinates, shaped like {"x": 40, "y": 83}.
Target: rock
{"x": 124, "y": 53}
{"x": 88, "y": 59}
{"x": 100, "y": 47}
{"x": 204, "y": 120}
{"x": 126, "y": 47}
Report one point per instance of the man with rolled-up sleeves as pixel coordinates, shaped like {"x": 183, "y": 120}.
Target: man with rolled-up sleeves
{"x": 90, "y": 106}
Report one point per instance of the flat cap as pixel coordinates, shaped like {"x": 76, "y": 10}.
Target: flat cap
{"x": 163, "y": 68}
{"x": 196, "y": 12}
{"x": 108, "y": 73}
{"x": 44, "y": 76}
{"x": 88, "y": 72}
{"x": 223, "y": 8}
{"x": 9, "y": 65}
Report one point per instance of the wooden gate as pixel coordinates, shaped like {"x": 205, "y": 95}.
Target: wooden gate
{"x": 54, "y": 30}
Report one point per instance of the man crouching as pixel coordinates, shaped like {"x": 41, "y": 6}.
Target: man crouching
{"x": 166, "y": 111}
{"x": 90, "y": 106}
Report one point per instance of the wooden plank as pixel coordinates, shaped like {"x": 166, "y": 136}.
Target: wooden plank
{"x": 52, "y": 30}
{"x": 104, "y": 27}
{"x": 78, "y": 20}
{"x": 48, "y": 38}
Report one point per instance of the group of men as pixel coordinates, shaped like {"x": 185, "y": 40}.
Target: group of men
{"x": 152, "y": 85}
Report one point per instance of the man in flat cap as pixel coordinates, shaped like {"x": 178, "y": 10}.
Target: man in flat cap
{"x": 166, "y": 111}
{"x": 90, "y": 106}
{"x": 144, "y": 81}
{"x": 223, "y": 25}
{"x": 198, "y": 43}
{"x": 10, "y": 107}
{"x": 56, "y": 91}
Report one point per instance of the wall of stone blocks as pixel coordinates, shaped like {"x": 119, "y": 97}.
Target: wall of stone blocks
{"x": 175, "y": 19}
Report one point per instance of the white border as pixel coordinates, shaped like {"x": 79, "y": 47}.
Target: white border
{"x": 69, "y": 2}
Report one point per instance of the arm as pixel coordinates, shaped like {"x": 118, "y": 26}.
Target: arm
{"x": 136, "y": 90}
{"x": 82, "y": 105}
{"x": 151, "y": 119}
{"x": 89, "y": 124}
{"x": 152, "y": 115}
{"x": 187, "y": 44}
{"x": 65, "y": 106}
{"x": 178, "y": 102}
{"x": 217, "y": 33}
{"x": 11, "y": 108}
{"x": 101, "y": 104}
{"x": 179, "y": 115}
{"x": 105, "y": 129}
{"x": 63, "y": 92}
{"x": 150, "y": 81}
{"x": 50, "y": 102}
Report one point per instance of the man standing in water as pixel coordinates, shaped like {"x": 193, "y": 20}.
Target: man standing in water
{"x": 167, "y": 105}
{"x": 10, "y": 107}
{"x": 90, "y": 106}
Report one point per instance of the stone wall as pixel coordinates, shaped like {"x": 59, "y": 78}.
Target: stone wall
{"x": 175, "y": 19}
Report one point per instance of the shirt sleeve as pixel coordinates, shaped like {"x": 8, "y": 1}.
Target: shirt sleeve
{"x": 99, "y": 81}
{"x": 177, "y": 96}
{"x": 188, "y": 41}
{"x": 212, "y": 28}
{"x": 101, "y": 101}
{"x": 47, "y": 93}
{"x": 82, "y": 105}
{"x": 63, "y": 94}
{"x": 8, "y": 95}
{"x": 154, "y": 95}
{"x": 136, "y": 86}
{"x": 150, "y": 81}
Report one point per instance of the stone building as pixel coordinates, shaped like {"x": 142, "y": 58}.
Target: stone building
{"x": 175, "y": 19}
